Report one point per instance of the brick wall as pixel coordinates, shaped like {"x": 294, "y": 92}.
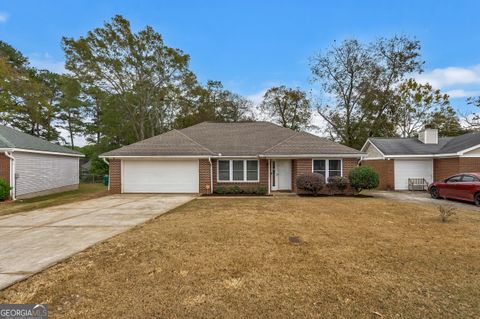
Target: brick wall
{"x": 348, "y": 165}
{"x": 299, "y": 167}
{"x": 444, "y": 167}
{"x": 385, "y": 170}
{"x": 469, "y": 165}
{"x": 263, "y": 181}
{"x": 115, "y": 173}
{"x": 4, "y": 168}
{"x": 204, "y": 176}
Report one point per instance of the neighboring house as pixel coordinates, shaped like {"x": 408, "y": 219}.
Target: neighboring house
{"x": 35, "y": 167}
{"x": 429, "y": 157}
{"x": 200, "y": 158}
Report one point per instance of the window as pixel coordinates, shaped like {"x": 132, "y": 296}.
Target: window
{"x": 454, "y": 179}
{"x": 223, "y": 170}
{"x": 328, "y": 168}
{"x": 469, "y": 179}
{"x": 252, "y": 170}
{"x": 238, "y": 171}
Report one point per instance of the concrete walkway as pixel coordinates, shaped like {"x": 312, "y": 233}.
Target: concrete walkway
{"x": 421, "y": 197}
{"x": 35, "y": 240}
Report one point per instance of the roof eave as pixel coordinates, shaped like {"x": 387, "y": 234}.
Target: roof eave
{"x": 24, "y": 150}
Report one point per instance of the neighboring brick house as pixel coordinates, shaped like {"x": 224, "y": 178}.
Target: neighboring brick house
{"x": 427, "y": 157}
{"x": 203, "y": 157}
{"x": 34, "y": 167}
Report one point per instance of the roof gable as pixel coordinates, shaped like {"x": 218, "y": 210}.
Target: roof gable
{"x": 14, "y": 139}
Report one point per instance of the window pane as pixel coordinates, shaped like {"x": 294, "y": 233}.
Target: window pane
{"x": 223, "y": 170}
{"x": 223, "y": 175}
{"x": 237, "y": 170}
{"x": 252, "y": 170}
{"x": 224, "y": 165}
{"x": 468, "y": 179}
{"x": 334, "y": 165}
{"x": 334, "y": 173}
{"x": 319, "y": 165}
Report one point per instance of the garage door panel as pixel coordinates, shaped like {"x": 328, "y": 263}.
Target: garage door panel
{"x": 160, "y": 176}
{"x": 405, "y": 169}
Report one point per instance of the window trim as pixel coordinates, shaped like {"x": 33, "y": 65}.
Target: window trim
{"x": 230, "y": 168}
{"x": 327, "y": 166}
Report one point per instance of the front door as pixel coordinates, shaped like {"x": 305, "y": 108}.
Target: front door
{"x": 281, "y": 171}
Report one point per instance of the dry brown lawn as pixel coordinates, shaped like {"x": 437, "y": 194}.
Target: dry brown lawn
{"x": 232, "y": 258}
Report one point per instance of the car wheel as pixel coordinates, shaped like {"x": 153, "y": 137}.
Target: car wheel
{"x": 477, "y": 199}
{"x": 434, "y": 193}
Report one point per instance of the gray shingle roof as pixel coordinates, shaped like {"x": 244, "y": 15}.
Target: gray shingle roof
{"x": 412, "y": 146}
{"x": 232, "y": 139}
{"x": 13, "y": 139}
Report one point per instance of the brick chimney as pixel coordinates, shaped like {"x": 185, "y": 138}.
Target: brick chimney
{"x": 428, "y": 136}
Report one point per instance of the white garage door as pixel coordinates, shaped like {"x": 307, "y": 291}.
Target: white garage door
{"x": 405, "y": 169}
{"x": 160, "y": 176}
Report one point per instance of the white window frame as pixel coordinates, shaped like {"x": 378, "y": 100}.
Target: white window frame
{"x": 327, "y": 166}
{"x": 230, "y": 167}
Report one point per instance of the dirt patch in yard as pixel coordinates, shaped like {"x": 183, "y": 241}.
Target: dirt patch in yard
{"x": 234, "y": 258}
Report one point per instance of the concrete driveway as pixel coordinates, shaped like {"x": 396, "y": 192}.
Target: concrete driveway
{"x": 421, "y": 197}
{"x": 35, "y": 240}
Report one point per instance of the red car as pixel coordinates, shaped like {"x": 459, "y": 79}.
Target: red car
{"x": 465, "y": 186}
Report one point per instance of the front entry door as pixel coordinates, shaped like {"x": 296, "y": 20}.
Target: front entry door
{"x": 281, "y": 175}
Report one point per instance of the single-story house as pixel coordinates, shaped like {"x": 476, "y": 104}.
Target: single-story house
{"x": 34, "y": 166}
{"x": 200, "y": 158}
{"x": 427, "y": 157}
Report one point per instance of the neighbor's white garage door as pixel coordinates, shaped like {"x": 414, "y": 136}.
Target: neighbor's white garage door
{"x": 405, "y": 169}
{"x": 160, "y": 176}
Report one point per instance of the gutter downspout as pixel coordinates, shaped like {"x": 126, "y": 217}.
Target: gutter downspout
{"x": 13, "y": 191}
{"x": 211, "y": 175}
{"x": 108, "y": 163}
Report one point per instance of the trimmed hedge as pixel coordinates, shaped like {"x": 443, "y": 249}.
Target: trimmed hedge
{"x": 311, "y": 183}
{"x": 4, "y": 190}
{"x": 237, "y": 190}
{"x": 363, "y": 177}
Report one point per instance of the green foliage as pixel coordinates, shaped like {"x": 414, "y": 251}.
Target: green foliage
{"x": 237, "y": 190}
{"x": 446, "y": 121}
{"x": 288, "y": 107}
{"x": 311, "y": 183}
{"x": 363, "y": 177}
{"x": 362, "y": 81}
{"x": 4, "y": 190}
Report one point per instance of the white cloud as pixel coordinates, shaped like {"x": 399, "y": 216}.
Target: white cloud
{"x": 4, "y": 17}
{"x": 462, "y": 93}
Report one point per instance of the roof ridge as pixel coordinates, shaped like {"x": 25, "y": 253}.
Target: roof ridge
{"x": 282, "y": 141}
{"x": 191, "y": 139}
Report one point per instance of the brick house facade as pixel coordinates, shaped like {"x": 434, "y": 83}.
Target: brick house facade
{"x": 385, "y": 171}
{"x": 299, "y": 166}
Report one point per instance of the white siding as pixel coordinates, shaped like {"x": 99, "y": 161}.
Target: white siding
{"x": 39, "y": 172}
{"x": 372, "y": 152}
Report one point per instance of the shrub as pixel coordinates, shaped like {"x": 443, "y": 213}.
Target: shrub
{"x": 311, "y": 183}
{"x": 220, "y": 190}
{"x": 446, "y": 211}
{"x": 4, "y": 190}
{"x": 235, "y": 189}
{"x": 363, "y": 177}
{"x": 262, "y": 190}
{"x": 338, "y": 183}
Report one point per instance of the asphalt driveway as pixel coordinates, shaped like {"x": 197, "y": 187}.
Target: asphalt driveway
{"x": 35, "y": 240}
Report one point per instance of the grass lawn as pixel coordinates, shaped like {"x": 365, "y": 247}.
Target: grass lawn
{"x": 232, "y": 258}
{"x": 85, "y": 191}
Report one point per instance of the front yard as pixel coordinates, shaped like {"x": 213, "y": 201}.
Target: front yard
{"x": 219, "y": 257}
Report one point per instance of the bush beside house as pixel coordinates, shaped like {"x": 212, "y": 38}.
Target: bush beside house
{"x": 237, "y": 190}
{"x": 4, "y": 190}
{"x": 363, "y": 177}
{"x": 311, "y": 183}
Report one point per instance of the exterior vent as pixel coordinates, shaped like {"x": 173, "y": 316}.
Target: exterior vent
{"x": 428, "y": 136}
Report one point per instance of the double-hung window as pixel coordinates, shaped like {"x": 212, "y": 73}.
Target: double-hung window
{"x": 327, "y": 167}
{"x": 237, "y": 171}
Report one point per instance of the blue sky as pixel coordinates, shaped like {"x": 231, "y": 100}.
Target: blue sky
{"x": 252, "y": 45}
